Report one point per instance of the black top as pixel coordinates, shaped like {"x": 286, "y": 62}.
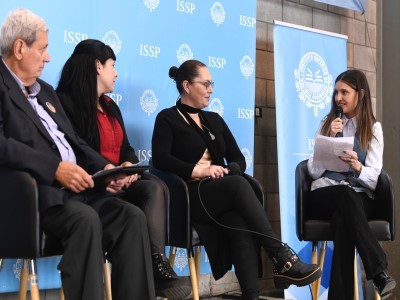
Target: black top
{"x": 177, "y": 146}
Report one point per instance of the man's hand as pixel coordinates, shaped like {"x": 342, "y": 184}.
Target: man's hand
{"x": 73, "y": 177}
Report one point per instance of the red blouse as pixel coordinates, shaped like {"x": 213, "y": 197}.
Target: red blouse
{"x": 111, "y": 137}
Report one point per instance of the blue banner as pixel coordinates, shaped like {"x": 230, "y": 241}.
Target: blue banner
{"x": 306, "y": 64}
{"x": 148, "y": 37}
{"x": 358, "y": 5}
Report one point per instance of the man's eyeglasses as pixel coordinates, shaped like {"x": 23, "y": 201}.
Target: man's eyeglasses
{"x": 206, "y": 83}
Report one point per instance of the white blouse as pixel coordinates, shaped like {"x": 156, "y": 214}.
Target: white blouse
{"x": 368, "y": 177}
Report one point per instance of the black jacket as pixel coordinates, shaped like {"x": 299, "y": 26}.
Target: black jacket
{"x": 26, "y": 145}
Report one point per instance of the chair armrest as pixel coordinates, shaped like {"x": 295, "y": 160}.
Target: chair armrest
{"x": 19, "y": 215}
{"x": 179, "y": 208}
{"x": 385, "y": 201}
{"x": 302, "y": 188}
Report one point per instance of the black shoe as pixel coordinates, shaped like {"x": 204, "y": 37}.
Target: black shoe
{"x": 178, "y": 289}
{"x": 384, "y": 284}
{"x": 162, "y": 271}
{"x": 289, "y": 269}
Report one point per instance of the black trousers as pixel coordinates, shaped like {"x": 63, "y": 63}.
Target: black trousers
{"x": 232, "y": 202}
{"x": 149, "y": 196}
{"x": 87, "y": 226}
{"x": 348, "y": 212}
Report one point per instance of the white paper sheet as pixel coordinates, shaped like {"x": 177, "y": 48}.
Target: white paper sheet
{"x": 327, "y": 151}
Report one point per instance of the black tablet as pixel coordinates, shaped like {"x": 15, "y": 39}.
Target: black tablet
{"x": 102, "y": 178}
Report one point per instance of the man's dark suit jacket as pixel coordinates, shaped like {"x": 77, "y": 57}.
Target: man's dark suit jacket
{"x": 26, "y": 145}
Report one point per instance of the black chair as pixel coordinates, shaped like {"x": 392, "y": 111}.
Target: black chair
{"x": 181, "y": 232}
{"x": 20, "y": 208}
{"x": 382, "y": 223}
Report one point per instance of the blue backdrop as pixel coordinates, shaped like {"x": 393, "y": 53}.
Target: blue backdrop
{"x": 148, "y": 37}
{"x": 307, "y": 63}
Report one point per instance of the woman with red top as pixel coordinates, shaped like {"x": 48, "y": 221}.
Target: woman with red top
{"x": 85, "y": 79}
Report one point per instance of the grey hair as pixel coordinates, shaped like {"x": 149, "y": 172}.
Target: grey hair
{"x": 21, "y": 24}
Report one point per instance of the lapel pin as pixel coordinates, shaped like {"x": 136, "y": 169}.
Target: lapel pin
{"x": 51, "y": 107}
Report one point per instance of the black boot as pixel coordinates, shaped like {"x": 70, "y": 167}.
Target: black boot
{"x": 167, "y": 283}
{"x": 162, "y": 271}
{"x": 384, "y": 284}
{"x": 289, "y": 269}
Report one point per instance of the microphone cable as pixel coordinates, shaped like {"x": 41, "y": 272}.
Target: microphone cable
{"x": 233, "y": 228}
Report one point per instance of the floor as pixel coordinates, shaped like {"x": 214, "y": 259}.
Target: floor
{"x": 54, "y": 295}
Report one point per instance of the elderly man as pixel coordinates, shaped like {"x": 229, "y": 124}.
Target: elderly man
{"x": 36, "y": 136}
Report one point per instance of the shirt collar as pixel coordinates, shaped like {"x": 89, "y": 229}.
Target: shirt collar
{"x": 352, "y": 121}
{"x": 34, "y": 88}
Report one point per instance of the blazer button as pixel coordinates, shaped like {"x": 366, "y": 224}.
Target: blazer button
{"x": 53, "y": 147}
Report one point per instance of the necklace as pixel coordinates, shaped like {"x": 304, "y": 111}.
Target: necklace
{"x": 209, "y": 132}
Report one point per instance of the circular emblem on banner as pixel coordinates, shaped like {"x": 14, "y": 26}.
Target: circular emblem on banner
{"x": 151, "y": 4}
{"x": 248, "y": 157}
{"x": 181, "y": 260}
{"x": 148, "y": 102}
{"x": 217, "y": 13}
{"x": 216, "y": 106}
{"x": 184, "y": 53}
{"x": 246, "y": 66}
{"x": 112, "y": 39}
{"x": 313, "y": 82}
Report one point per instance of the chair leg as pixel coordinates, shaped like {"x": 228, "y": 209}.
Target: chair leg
{"x": 107, "y": 279}
{"x": 321, "y": 266}
{"x": 197, "y": 263}
{"x": 172, "y": 255}
{"x": 23, "y": 280}
{"x": 355, "y": 276}
{"x": 377, "y": 296}
{"x": 33, "y": 279}
{"x": 314, "y": 260}
{"x": 193, "y": 279}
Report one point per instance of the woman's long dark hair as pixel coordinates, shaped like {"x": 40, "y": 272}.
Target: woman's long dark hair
{"x": 364, "y": 113}
{"x": 77, "y": 87}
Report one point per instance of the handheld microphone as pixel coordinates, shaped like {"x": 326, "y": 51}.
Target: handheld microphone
{"x": 339, "y": 114}
{"x": 234, "y": 168}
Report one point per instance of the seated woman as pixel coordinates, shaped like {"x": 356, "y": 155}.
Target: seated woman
{"x": 85, "y": 79}
{"x": 194, "y": 144}
{"x": 347, "y": 198}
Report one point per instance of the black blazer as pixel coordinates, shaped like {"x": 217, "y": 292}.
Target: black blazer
{"x": 26, "y": 145}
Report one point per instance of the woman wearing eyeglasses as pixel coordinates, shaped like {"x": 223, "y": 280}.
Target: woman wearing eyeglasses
{"x": 194, "y": 144}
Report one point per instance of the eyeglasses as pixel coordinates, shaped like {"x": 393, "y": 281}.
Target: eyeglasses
{"x": 206, "y": 83}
